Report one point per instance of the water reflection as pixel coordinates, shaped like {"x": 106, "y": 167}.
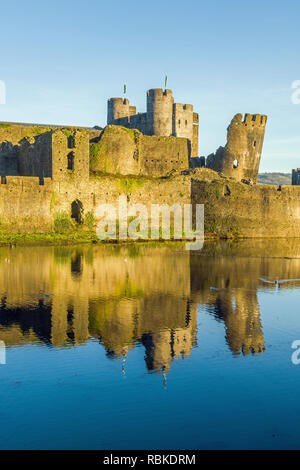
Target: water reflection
{"x": 140, "y": 295}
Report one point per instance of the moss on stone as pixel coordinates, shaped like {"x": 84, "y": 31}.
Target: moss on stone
{"x": 128, "y": 185}
{"x": 53, "y": 201}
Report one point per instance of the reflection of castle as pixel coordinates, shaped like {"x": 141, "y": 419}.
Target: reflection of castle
{"x": 240, "y": 312}
{"x": 127, "y": 296}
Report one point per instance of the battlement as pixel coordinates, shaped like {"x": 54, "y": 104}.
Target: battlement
{"x": 118, "y": 101}
{"x": 250, "y": 119}
{"x": 159, "y": 93}
{"x": 183, "y": 107}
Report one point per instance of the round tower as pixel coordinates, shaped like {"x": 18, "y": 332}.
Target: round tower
{"x": 117, "y": 108}
{"x": 159, "y": 112}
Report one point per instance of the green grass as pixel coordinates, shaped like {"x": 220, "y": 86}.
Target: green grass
{"x": 52, "y": 238}
{"x": 62, "y": 222}
{"x": 89, "y": 220}
{"x": 75, "y": 237}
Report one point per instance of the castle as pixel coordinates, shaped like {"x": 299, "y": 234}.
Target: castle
{"x": 57, "y": 176}
{"x": 163, "y": 117}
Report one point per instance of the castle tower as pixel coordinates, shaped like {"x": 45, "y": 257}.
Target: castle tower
{"x": 183, "y": 120}
{"x": 160, "y": 112}
{"x": 296, "y": 177}
{"x": 240, "y": 158}
{"x": 118, "y": 108}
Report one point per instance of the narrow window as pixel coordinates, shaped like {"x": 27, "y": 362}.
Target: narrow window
{"x": 71, "y": 142}
{"x": 71, "y": 161}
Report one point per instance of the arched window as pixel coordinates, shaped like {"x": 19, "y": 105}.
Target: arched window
{"x": 77, "y": 211}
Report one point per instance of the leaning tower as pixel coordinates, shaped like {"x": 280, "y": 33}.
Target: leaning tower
{"x": 159, "y": 112}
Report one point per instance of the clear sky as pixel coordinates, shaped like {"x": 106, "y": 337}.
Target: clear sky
{"x": 61, "y": 60}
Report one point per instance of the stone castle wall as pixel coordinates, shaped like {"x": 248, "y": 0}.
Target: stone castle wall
{"x": 231, "y": 208}
{"x": 119, "y": 150}
{"x": 237, "y": 209}
{"x": 26, "y": 205}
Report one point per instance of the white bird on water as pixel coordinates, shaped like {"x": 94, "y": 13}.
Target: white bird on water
{"x": 278, "y": 282}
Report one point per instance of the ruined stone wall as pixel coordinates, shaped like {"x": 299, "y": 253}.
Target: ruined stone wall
{"x": 8, "y": 159}
{"x": 25, "y": 204}
{"x": 26, "y": 150}
{"x": 115, "y": 151}
{"x": 125, "y": 151}
{"x": 28, "y": 206}
{"x": 237, "y": 209}
{"x": 162, "y": 155}
{"x": 11, "y": 137}
{"x": 231, "y": 208}
{"x": 70, "y": 156}
{"x": 34, "y": 156}
{"x": 240, "y": 158}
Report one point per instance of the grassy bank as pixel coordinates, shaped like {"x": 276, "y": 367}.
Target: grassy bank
{"x": 53, "y": 238}
{"x": 69, "y": 238}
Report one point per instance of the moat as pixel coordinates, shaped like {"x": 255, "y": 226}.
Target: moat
{"x": 121, "y": 347}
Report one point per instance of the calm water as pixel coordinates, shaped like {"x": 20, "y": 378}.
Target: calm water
{"x": 150, "y": 347}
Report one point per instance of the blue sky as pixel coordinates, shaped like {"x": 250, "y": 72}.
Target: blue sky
{"x": 61, "y": 60}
